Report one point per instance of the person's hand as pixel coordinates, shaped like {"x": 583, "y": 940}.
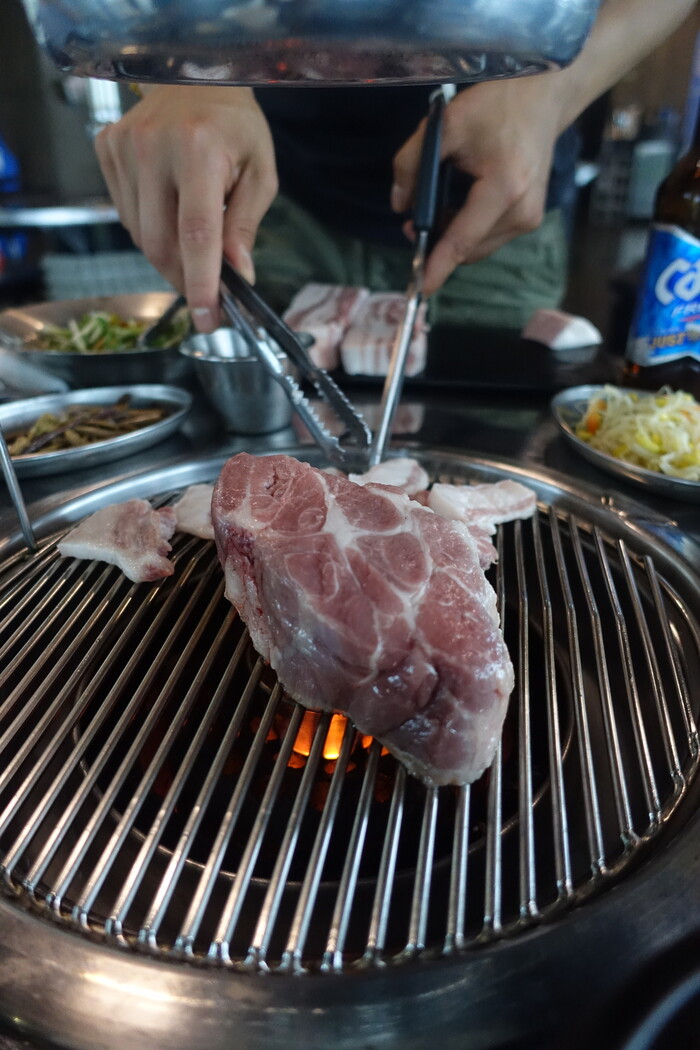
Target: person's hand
{"x": 502, "y": 133}
{"x": 191, "y": 171}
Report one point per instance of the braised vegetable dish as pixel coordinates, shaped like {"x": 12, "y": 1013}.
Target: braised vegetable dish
{"x": 82, "y": 425}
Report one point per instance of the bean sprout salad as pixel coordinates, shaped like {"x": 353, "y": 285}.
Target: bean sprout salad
{"x": 657, "y": 431}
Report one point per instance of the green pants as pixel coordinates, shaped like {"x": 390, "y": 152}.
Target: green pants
{"x": 502, "y": 290}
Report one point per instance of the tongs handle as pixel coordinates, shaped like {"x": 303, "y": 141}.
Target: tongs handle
{"x": 423, "y": 220}
{"x": 429, "y": 171}
{"x": 8, "y": 470}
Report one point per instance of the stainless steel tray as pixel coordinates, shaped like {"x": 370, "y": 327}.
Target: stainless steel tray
{"x": 20, "y": 326}
{"x": 22, "y": 413}
{"x": 568, "y": 408}
{"x": 309, "y": 41}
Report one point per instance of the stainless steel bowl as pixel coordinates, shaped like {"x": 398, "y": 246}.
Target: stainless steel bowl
{"x": 244, "y": 394}
{"x": 20, "y": 415}
{"x": 310, "y": 41}
{"x": 20, "y": 326}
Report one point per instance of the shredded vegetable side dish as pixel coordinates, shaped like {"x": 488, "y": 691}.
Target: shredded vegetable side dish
{"x": 658, "y": 431}
{"x": 98, "y": 332}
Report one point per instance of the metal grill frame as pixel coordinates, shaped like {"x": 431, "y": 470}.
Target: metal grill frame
{"x": 593, "y": 529}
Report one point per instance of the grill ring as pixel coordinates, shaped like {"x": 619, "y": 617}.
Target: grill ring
{"x": 599, "y": 549}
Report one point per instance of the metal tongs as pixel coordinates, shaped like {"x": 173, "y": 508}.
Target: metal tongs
{"x": 423, "y": 221}
{"x": 261, "y": 328}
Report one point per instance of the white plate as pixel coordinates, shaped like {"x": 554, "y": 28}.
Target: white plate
{"x": 19, "y": 414}
{"x": 568, "y": 408}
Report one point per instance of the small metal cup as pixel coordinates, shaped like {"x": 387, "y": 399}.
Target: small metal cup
{"x": 244, "y": 394}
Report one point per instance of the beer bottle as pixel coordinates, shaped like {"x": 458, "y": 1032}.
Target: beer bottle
{"x": 664, "y": 340}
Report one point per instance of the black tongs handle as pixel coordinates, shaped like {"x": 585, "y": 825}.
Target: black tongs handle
{"x": 429, "y": 169}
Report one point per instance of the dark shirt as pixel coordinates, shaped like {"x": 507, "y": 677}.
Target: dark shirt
{"x": 335, "y": 147}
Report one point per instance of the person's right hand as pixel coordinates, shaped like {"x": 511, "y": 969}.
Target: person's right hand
{"x": 191, "y": 171}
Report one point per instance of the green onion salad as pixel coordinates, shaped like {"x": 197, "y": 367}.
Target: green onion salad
{"x": 100, "y": 332}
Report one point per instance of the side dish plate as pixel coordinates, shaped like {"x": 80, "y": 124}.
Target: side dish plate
{"x": 20, "y": 414}
{"x": 568, "y": 408}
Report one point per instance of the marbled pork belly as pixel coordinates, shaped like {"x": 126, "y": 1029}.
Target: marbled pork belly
{"x": 367, "y": 344}
{"x": 324, "y": 311}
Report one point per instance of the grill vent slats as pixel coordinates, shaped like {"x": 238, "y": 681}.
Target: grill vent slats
{"x": 158, "y": 790}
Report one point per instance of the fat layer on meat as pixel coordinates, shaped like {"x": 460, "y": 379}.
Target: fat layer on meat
{"x": 483, "y": 506}
{"x": 365, "y": 602}
{"x": 402, "y": 472}
{"x": 131, "y": 535}
{"x": 193, "y": 511}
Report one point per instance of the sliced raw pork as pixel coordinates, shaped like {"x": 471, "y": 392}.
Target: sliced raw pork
{"x": 324, "y": 311}
{"x": 131, "y": 535}
{"x": 367, "y": 344}
{"x": 402, "y": 473}
{"x": 483, "y": 506}
{"x": 365, "y": 602}
{"x": 561, "y": 331}
{"x": 193, "y": 511}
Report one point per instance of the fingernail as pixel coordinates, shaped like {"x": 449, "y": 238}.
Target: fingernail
{"x": 203, "y": 319}
{"x": 397, "y": 198}
{"x": 246, "y": 264}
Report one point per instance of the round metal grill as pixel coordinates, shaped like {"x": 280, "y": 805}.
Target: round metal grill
{"x": 158, "y": 789}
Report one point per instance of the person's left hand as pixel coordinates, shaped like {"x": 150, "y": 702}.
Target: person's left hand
{"x": 502, "y": 133}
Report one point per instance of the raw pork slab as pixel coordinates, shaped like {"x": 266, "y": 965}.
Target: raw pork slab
{"x": 324, "y": 311}
{"x": 367, "y": 344}
{"x": 131, "y": 535}
{"x": 365, "y": 602}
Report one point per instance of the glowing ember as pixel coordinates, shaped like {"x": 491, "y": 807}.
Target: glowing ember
{"x": 334, "y": 736}
{"x": 305, "y": 735}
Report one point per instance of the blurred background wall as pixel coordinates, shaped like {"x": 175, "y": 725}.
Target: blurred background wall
{"x": 46, "y": 132}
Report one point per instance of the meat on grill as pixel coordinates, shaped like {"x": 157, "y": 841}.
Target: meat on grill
{"x": 368, "y": 342}
{"x": 480, "y": 507}
{"x": 402, "y": 472}
{"x": 193, "y": 511}
{"x": 131, "y": 535}
{"x": 365, "y": 602}
{"x": 483, "y": 506}
{"x": 324, "y": 311}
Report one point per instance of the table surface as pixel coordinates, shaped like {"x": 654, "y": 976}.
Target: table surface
{"x": 509, "y": 425}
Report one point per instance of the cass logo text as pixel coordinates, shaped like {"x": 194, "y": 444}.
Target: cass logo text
{"x": 679, "y": 280}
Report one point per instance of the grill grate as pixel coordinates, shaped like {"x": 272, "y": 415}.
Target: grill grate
{"x": 158, "y": 790}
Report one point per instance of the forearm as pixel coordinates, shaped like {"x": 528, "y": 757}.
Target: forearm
{"x": 625, "y": 32}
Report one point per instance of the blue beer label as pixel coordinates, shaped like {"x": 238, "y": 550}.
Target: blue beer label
{"x": 666, "y": 323}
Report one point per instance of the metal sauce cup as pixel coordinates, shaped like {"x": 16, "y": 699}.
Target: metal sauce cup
{"x": 244, "y": 394}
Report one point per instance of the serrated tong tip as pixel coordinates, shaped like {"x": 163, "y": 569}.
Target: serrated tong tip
{"x": 266, "y": 339}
